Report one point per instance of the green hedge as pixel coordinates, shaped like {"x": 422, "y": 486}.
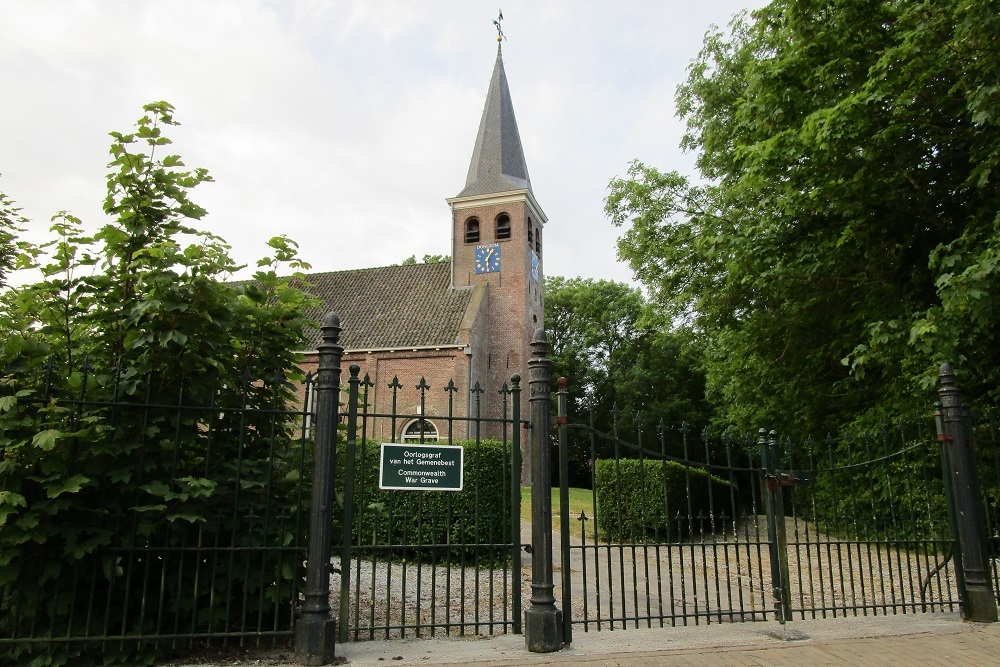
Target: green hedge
{"x": 636, "y": 503}
{"x": 477, "y": 515}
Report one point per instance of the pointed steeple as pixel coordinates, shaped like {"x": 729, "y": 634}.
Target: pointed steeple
{"x": 497, "y": 160}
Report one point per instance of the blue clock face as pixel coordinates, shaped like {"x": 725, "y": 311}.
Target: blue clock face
{"x": 534, "y": 266}
{"x": 488, "y": 258}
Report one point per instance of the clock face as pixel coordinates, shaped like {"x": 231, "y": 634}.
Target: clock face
{"x": 534, "y": 266}
{"x": 488, "y": 258}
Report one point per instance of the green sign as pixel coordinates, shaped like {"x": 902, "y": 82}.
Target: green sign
{"x": 420, "y": 467}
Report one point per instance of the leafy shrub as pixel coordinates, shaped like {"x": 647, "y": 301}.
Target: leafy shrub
{"x": 651, "y": 500}
{"x": 144, "y": 448}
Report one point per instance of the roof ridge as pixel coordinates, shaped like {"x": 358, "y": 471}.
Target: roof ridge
{"x": 372, "y": 268}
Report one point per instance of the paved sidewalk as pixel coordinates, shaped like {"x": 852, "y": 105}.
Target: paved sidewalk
{"x": 910, "y": 640}
{"x": 933, "y": 639}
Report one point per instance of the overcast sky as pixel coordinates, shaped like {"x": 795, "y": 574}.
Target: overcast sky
{"x": 346, "y": 124}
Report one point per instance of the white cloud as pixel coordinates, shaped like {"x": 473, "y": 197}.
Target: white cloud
{"x": 346, "y": 124}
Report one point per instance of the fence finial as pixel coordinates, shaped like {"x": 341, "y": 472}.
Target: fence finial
{"x": 539, "y": 344}
{"x": 947, "y": 386}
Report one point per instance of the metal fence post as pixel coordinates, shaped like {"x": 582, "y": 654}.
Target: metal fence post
{"x": 562, "y": 420}
{"x": 782, "y": 529}
{"x": 542, "y": 620}
{"x": 316, "y": 631}
{"x": 347, "y": 526}
{"x": 515, "y": 497}
{"x": 775, "y": 507}
{"x": 953, "y": 431}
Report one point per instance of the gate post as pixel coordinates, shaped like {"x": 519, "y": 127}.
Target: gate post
{"x": 776, "y": 538}
{"x": 542, "y": 620}
{"x": 316, "y": 631}
{"x": 963, "y": 481}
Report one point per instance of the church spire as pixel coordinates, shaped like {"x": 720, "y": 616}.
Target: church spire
{"x": 497, "y": 160}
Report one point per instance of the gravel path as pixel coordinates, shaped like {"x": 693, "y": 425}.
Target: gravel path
{"x": 721, "y": 578}
{"x": 410, "y": 599}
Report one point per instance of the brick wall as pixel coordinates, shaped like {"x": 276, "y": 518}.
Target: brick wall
{"x": 515, "y": 298}
{"x": 437, "y": 368}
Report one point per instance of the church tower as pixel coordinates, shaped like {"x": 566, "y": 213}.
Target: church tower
{"x": 497, "y": 239}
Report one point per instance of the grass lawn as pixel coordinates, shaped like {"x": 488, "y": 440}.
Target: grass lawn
{"x": 580, "y": 500}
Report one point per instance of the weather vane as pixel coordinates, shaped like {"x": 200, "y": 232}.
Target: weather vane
{"x": 496, "y": 22}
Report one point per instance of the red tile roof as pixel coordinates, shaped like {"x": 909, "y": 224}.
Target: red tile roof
{"x": 391, "y": 306}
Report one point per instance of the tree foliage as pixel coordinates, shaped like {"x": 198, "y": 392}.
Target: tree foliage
{"x": 427, "y": 259}
{"x": 845, "y": 239}
{"x": 627, "y": 369}
{"x": 12, "y": 251}
{"x": 139, "y": 314}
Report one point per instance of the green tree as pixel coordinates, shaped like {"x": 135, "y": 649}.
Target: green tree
{"x": 11, "y": 224}
{"x": 845, "y": 238}
{"x": 427, "y": 259}
{"x": 140, "y": 313}
{"x": 626, "y": 367}
{"x": 590, "y": 324}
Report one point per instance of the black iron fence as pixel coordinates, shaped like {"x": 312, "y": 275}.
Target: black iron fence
{"x": 415, "y": 561}
{"x": 143, "y": 513}
{"x": 860, "y": 525}
{"x": 153, "y": 511}
{"x": 985, "y": 434}
{"x": 149, "y": 512}
{"x": 685, "y": 528}
{"x": 662, "y": 539}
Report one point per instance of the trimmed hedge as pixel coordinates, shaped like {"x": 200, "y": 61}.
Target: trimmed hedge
{"x": 636, "y": 504}
{"x": 415, "y": 521}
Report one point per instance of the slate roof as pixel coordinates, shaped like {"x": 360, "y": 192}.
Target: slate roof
{"x": 497, "y": 160}
{"x": 391, "y": 306}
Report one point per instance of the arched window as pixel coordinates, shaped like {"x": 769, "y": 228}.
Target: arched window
{"x": 420, "y": 430}
{"x": 503, "y": 226}
{"x": 531, "y": 237}
{"x": 538, "y": 242}
{"x": 472, "y": 231}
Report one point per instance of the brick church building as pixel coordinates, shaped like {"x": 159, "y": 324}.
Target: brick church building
{"x": 467, "y": 321}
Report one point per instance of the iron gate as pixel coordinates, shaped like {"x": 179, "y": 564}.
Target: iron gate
{"x": 422, "y": 563}
{"x": 685, "y": 528}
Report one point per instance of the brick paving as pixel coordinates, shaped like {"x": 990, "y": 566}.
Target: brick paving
{"x": 909, "y": 640}
{"x": 965, "y": 644}
{"x": 970, "y": 646}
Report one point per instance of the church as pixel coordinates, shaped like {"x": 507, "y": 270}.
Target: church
{"x": 468, "y": 321}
